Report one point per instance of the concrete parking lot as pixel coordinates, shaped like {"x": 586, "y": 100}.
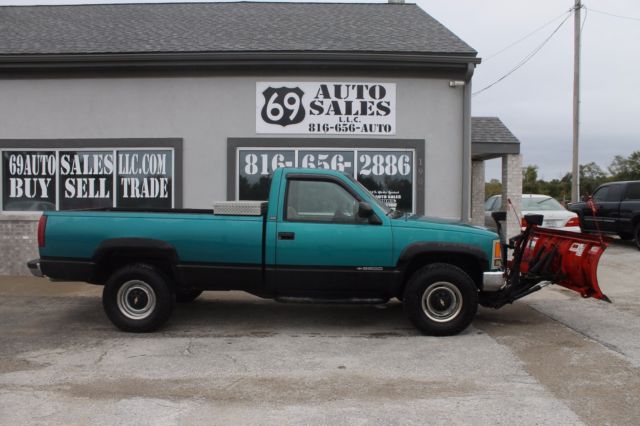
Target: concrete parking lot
{"x": 230, "y": 358}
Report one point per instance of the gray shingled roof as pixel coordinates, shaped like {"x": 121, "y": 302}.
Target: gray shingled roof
{"x": 490, "y": 138}
{"x": 224, "y": 27}
{"x": 490, "y": 130}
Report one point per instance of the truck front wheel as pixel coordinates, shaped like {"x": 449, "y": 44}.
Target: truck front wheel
{"x": 441, "y": 299}
{"x": 138, "y": 298}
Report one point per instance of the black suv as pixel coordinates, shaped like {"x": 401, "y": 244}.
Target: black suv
{"x": 617, "y": 207}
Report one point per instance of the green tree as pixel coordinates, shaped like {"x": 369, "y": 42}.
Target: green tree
{"x": 626, "y": 168}
{"x": 530, "y": 180}
{"x": 493, "y": 187}
{"x": 560, "y": 189}
{"x": 591, "y": 177}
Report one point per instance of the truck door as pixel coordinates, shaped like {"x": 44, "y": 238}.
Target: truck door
{"x": 322, "y": 246}
{"x": 607, "y": 202}
{"x": 629, "y": 206}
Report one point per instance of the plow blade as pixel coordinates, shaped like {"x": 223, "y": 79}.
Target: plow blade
{"x": 568, "y": 259}
{"x": 544, "y": 256}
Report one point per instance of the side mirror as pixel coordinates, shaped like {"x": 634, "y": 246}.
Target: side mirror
{"x": 499, "y": 217}
{"x": 585, "y": 198}
{"x": 365, "y": 211}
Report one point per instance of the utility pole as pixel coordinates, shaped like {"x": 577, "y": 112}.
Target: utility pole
{"x": 575, "y": 170}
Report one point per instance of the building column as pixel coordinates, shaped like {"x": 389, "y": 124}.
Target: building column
{"x": 512, "y": 190}
{"x": 477, "y": 193}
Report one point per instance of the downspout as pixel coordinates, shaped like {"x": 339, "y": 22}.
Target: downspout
{"x": 466, "y": 145}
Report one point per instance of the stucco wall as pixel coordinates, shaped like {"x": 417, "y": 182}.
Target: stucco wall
{"x": 206, "y": 110}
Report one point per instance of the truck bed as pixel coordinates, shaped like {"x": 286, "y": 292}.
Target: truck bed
{"x": 198, "y": 236}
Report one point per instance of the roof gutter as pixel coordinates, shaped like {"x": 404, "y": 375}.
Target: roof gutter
{"x": 384, "y": 60}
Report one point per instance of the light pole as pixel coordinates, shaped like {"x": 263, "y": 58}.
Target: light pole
{"x": 575, "y": 170}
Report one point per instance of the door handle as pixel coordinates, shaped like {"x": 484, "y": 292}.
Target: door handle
{"x": 286, "y": 235}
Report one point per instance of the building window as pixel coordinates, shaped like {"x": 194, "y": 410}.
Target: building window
{"x": 29, "y": 180}
{"x": 86, "y": 179}
{"x": 63, "y": 179}
{"x": 388, "y": 173}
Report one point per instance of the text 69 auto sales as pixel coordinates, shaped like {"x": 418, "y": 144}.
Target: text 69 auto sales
{"x": 86, "y": 175}
{"x": 326, "y": 108}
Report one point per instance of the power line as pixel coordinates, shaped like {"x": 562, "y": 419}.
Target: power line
{"x": 584, "y": 19}
{"x": 543, "y": 26}
{"x": 613, "y": 14}
{"x": 526, "y": 58}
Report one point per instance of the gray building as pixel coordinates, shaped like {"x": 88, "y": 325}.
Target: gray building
{"x": 177, "y": 105}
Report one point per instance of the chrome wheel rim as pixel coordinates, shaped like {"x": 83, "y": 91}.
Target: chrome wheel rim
{"x": 136, "y": 299}
{"x": 441, "y": 301}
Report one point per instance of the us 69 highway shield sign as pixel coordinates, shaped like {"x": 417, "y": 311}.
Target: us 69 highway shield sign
{"x": 332, "y": 108}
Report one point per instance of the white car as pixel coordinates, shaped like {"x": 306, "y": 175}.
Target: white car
{"x": 556, "y": 216}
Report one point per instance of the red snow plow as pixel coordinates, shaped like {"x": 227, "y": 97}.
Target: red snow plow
{"x": 544, "y": 256}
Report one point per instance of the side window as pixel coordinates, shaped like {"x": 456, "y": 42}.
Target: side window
{"x": 633, "y": 191}
{"x": 492, "y": 204}
{"x": 320, "y": 201}
{"x": 497, "y": 204}
{"x": 601, "y": 194}
{"x": 489, "y": 203}
{"x": 615, "y": 193}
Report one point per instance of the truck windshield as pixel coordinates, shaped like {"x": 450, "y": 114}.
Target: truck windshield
{"x": 382, "y": 205}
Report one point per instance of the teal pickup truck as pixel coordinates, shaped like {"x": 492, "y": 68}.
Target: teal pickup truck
{"x": 321, "y": 237}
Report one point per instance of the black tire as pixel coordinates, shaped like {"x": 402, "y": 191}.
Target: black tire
{"x": 138, "y": 298}
{"x": 636, "y": 234}
{"x": 443, "y": 284}
{"x": 626, "y": 236}
{"x": 187, "y": 295}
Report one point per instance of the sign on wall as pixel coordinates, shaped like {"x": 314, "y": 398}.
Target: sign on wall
{"x": 144, "y": 178}
{"x": 86, "y": 179}
{"x": 29, "y": 180}
{"x": 327, "y": 108}
{"x": 388, "y": 174}
{"x": 34, "y": 180}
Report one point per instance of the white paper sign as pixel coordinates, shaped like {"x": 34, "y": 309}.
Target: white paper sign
{"x": 332, "y": 108}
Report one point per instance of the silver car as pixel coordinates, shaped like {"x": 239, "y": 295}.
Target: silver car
{"x": 555, "y": 214}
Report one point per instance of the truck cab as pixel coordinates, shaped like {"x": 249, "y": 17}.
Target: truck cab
{"x": 333, "y": 238}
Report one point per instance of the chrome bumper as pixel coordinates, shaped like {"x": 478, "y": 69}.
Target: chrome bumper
{"x": 493, "y": 281}
{"x": 34, "y": 267}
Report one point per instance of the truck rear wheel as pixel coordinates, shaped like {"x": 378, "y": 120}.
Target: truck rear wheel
{"x": 441, "y": 299}
{"x": 637, "y": 235}
{"x": 138, "y": 298}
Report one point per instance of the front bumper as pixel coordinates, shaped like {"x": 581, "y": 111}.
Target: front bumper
{"x": 493, "y": 281}
{"x": 34, "y": 267}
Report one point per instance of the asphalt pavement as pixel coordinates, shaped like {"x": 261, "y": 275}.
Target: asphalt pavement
{"x": 231, "y": 358}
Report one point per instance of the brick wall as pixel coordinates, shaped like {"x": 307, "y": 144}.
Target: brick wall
{"x": 477, "y": 193}
{"x": 512, "y": 189}
{"x": 18, "y": 243}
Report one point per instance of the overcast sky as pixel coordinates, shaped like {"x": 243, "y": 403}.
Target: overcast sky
{"x": 535, "y": 102}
